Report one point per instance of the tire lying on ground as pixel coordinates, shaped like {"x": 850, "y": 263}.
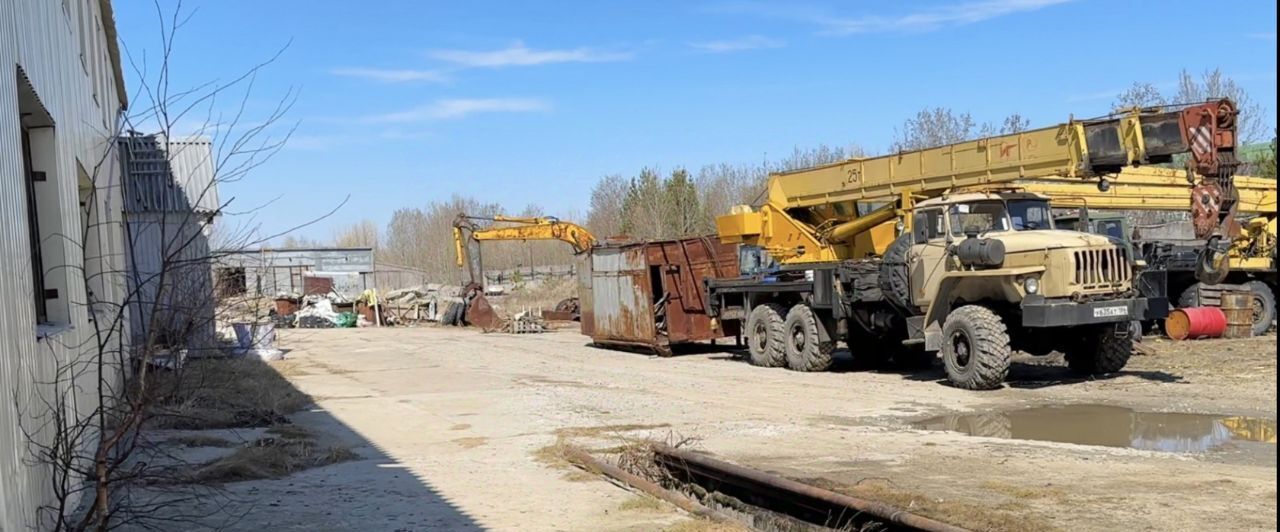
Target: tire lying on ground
{"x": 764, "y": 336}
{"x": 805, "y": 351}
{"x": 1264, "y": 306}
{"x": 975, "y": 348}
{"x": 1098, "y": 350}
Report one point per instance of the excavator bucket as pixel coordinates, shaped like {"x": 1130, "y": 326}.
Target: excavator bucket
{"x": 481, "y": 314}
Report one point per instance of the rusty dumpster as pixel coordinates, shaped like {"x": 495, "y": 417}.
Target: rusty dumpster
{"x": 651, "y": 294}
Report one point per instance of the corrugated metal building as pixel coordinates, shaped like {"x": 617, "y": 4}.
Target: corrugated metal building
{"x": 170, "y": 204}
{"x": 268, "y": 272}
{"x": 60, "y": 99}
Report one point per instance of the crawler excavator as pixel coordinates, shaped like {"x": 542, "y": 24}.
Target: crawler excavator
{"x": 937, "y": 250}
{"x": 466, "y": 230}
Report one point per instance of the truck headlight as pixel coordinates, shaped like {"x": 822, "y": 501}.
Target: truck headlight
{"x": 1031, "y": 285}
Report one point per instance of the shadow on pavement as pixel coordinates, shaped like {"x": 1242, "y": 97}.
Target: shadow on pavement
{"x": 371, "y": 491}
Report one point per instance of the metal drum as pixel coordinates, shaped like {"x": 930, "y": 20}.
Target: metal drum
{"x": 1237, "y": 306}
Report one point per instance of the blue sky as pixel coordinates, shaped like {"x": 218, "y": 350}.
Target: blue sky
{"x": 404, "y": 102}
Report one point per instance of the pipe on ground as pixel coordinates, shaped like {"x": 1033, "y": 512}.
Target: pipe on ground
{"x": 584, "y": 460}
{"x": 882, "y": 511}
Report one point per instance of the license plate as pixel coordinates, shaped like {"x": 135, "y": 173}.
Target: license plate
{"x": 1110, "y": 312}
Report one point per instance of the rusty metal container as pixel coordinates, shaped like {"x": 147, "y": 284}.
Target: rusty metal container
{"x": 1237, "y": 306}
{"x": 286, "y": 306}
{"x": 651, "y": 294}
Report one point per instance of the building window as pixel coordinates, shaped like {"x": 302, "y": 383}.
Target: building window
{"x": 33, "y": 223}
{"x": 47, "y": 242}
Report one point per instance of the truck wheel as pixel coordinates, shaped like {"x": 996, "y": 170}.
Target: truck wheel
{"x": 1264, "y": 306}
{"x": 1190, "y": 297}
{"x": 804, "y": 350}
{"x": 975, "y": 348}
{"x": 895, "y": 282}
{"x": 1098, "y": 350}
{"x": 765, "y": 336}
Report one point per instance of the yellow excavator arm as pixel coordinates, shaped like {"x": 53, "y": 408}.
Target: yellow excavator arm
{"x": 523, "y": 228}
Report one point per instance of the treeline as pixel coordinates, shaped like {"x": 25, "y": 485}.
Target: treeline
{"x": 656, "y": 203}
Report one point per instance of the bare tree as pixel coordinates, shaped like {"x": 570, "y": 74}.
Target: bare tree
{"x": 299, "y": 242}
{"x": 1208, "y": 85}
{"x": 1141, "y": 94}
{"x": 1015, "y": 123}
{"x": 1214, "y": 84}
{"x": 605, "y": 217}
{"x": 934, "y": 127}
{"x": 150, "y": 305}
{"x": 362, "y": 234}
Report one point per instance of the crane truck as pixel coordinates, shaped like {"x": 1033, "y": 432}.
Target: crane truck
{"x": 466, "y": 230}
{"x": 1251, "y": 259}
{"x": 936, "y": 250}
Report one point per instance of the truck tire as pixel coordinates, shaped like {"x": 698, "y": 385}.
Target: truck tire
{"x": 765, "y": 336}
{"x": 975, "y": 348}
{"x": 1190, "y": 297}
{"x": 805, "y": 351}
{"x": 1099, "y": 351}
{"x": 1264, "y": 306}
{"x": 895, "y": 283}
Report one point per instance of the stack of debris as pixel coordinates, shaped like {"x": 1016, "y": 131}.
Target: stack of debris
{"x": 525, "y": 322}
{"x": 428, "y": 302}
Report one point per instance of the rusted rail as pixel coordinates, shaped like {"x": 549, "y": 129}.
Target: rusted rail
{"x": 817, "y": 501}
{"x": 584, "y": 460}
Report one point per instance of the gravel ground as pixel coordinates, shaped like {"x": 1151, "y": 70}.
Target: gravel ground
{"x": 452, "y": 426}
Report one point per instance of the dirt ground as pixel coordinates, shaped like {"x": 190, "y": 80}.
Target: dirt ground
{"x": 452, "y": 428}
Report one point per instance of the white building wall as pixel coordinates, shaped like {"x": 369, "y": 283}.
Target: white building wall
{"x": 66, "y": 50}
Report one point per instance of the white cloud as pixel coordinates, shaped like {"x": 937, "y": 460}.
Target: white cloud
{"x": 926, "y": 19}
{"x": 520, "y": 55}
{"x": 750, "y": 42}
{"x": 392, "y": 75}
{"x": 458, "y": 108}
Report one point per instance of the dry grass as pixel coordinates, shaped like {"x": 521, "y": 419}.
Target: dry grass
{"x": 199, "y": 440}
{"x": 1025, "y": 492}
{"x": 544, "y": 296}
{"x": 268, "y": 458}
{"x": 291, "y": 431}
{"x": 553, "y": 455}
{"x": 705, "y": 525}
{"x": 972, "y": 514}
{"x": 641, "y": 503}
{"x": 208, "y": 394}
{"x": 579, "y": 475}
{"x": 471, "y": 443}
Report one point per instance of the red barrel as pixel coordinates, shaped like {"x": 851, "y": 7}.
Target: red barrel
{"x": 1195, "y": 322}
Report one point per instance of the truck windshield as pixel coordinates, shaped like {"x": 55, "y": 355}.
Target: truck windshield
{"x": 979, "y": 217}
{"x": 1029, "y": 215}
{"x": 996, "y": 215}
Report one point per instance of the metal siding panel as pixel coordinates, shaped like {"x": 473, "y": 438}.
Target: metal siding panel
{"x": 37, "y": 36}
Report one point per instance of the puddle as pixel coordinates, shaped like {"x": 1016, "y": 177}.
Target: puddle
{"x": 1110, "y": 426}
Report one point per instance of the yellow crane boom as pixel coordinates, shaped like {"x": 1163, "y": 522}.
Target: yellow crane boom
{"x": 846, "y": 210}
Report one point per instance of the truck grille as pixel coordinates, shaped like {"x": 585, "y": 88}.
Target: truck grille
{"x": 1099, "y": 268}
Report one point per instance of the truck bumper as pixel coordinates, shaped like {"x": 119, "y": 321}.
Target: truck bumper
{"x": 1041, "y": 312}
